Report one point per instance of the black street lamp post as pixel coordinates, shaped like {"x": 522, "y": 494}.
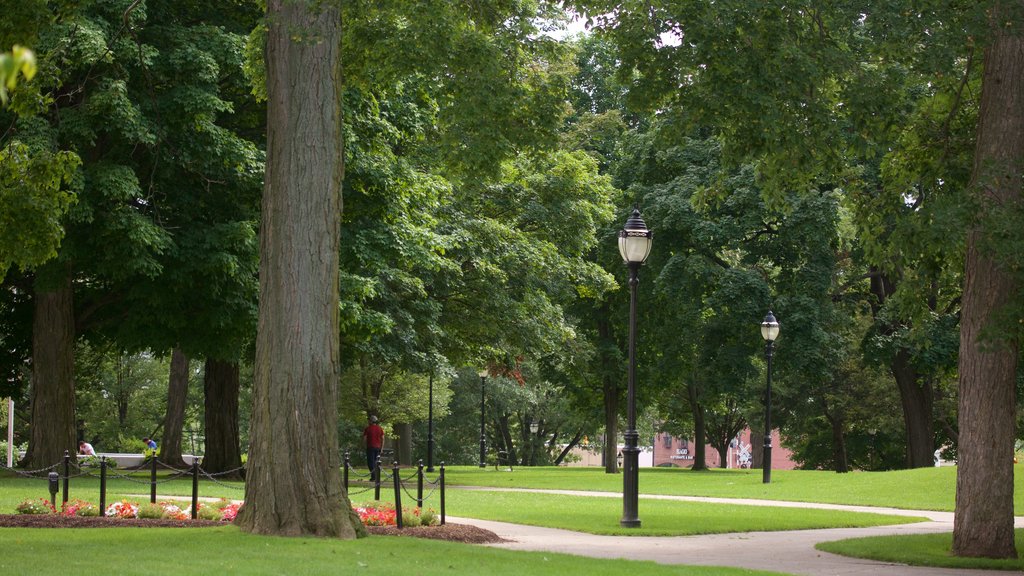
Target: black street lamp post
{"x": 430, "y": 424}
{"x": 634, "y": 246}
{"x": 483, "y": 439}
{"x": 769, "y": 331}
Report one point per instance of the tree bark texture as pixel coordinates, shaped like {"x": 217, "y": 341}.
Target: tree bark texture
{"x": 917, "y": 398}
{"x": 53, "y": 385}
{"x": 916, "y": 393}
{"x": 174, "y": 420}
{"x": 404, "y": 444}
{"x": 610, "y": 391}
{"x": 220, "y": 387}
{"x": 983, "y": 522}
{"x": 293, "y": 483}
{"x": 700, "y": 457}
{"x": 840, "y": 458}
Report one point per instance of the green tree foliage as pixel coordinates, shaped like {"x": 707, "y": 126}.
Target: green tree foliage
{"x": 20, "y": 61}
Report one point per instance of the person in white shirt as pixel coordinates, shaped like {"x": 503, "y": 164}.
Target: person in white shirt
{"x": 86, "y": 448}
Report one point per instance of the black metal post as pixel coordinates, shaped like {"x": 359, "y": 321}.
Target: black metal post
{"x": 195, "y": 487}
{"x": 766, "y": 466}
{"x": 483, "y": 438}
{"x": 376, "y": 480}
{"x": 430, "y": 424}
{"x": 152, "y": 480}
{"x": 67, "y": 474}
{"x": 441, "y": 481}
{"x": 419, "y": 486}
{"x": 54, "y": 479}
{"x": 103, "y": 485}
{"x": 398, "y": 494}
{"x": 631, "y": 451}
{"x": 344, "y": 472}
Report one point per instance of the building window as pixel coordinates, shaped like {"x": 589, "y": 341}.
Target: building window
{"x": 667, "y": 439}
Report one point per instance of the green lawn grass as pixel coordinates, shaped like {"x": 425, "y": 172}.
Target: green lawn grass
{"x": 919, "y": 489}
{"x": 919, "y": 550}
{"x": 598, "y": 515}
{"x": 226, "y": 550}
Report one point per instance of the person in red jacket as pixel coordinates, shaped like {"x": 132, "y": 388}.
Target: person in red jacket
{"x": 373, "y": 435}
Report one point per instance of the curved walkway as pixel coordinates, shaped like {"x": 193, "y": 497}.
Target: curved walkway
{"x": 789, "y": 552}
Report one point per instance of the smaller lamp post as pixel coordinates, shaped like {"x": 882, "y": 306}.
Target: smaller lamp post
{"x": 430, "y": 424}
{"x": 534, "y": 426}
{"x": 634, "y": 247}
{"x": 769, "y": 331}
{"x": 483, "y": 438}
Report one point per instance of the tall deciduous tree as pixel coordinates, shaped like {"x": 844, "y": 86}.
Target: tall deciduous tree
{"x": 988, "y": 352}
{"x": 294, "y": 484}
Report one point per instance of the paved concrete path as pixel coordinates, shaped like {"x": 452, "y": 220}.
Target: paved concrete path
{"x": 789, "y": 552}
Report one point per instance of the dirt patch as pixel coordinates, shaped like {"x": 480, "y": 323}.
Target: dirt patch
{"x": 58, "y": 521}
{"x": 450, "y": 532}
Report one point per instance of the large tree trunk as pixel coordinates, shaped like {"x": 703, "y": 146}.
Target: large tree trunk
{"x": 840, "y": 458}
{"x": 610, "y": 390}
{"x": 220, "y": 386}
{"x": 756, "y": 448}
{"x": 53, "y": 363}
{"x": 983, "y": 523}
{"x": 700, "y": 457}
{"x": 174, "y": 420}
{"x": 916, "y": 394}
{"x": 403, "y": 444}
{"x": 917, "y": 399}
{"x": 293, "y": 484}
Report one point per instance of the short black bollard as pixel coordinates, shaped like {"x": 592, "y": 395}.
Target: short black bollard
{"x": 441, "y": 482}
{"x": 67, "y": 474}
{"x": 195, "y": 486}
{"x": 419, "y": 486}
{"x": 344, "y": 472}
{"x": 152, "y": 480}
{"x": 376, "y": 480}
{"x": 103, "y": 485}
{"x": 54, "y": 487}
{"x": 398, "y": 494}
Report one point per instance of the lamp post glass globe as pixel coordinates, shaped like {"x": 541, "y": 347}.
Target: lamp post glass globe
{"x": 770, "y": 327}
{"x": 534, "y": 426}
{"x": 635, "y": 239}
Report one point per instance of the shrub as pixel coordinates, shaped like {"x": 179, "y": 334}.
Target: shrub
{"x": 75, "y": 507}
{"x": 173, "y": 512}
{"x": 123, "y": 509}
{"x": 230, "y": 512}
{"x": 428, "y": 517}
{"x": 410, "y": 517}
{"x": 36, "y": 506}
{"x": 88, "y": 511}
{"x": 151, "y": 511}
{"x": 209, "y": 513}
{"x": 94, "y": 462}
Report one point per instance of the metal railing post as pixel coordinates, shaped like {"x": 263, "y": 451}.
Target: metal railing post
{"x": 419, "y": 486}
{"x": 67, "y": 474}
{"x": 441, "y": 481}
{"x": 103, "y": 485}
{"x": 152, "y": 480}
{"x": 195, "y": 486}
{"x": 398, "y": 494}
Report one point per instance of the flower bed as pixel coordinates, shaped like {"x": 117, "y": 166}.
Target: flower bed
{"x": 379, "y": 514}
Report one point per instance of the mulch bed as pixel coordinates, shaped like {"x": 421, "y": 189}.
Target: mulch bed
{"x": 449, "y": 532}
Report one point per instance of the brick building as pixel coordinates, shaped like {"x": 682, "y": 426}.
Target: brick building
{"x": 678, "y": 452}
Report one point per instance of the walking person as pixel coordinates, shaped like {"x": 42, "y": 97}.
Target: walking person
{"x": 373, "y": 435}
